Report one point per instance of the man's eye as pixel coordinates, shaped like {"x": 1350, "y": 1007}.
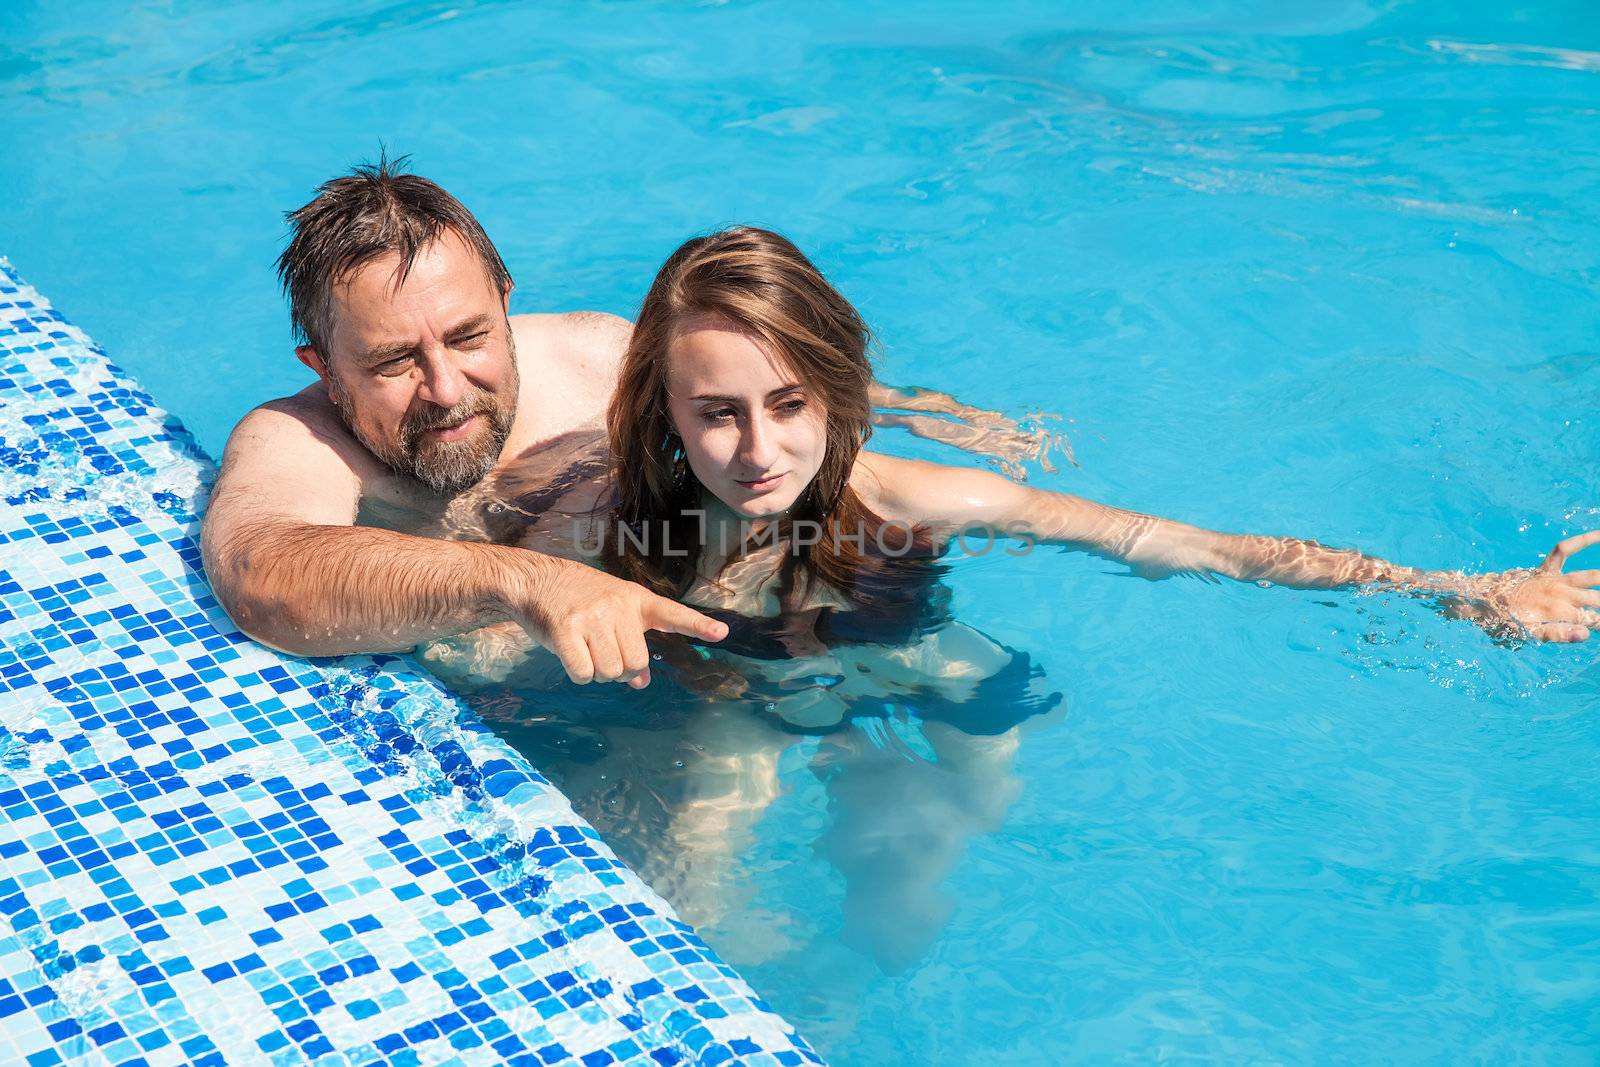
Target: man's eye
{"x": 394, "y": 368}
{"x": 473, "y": 340}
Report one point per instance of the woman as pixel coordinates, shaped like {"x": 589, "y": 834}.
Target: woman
{"x": 742, "y": 485}
{"x": 739, "y": 483}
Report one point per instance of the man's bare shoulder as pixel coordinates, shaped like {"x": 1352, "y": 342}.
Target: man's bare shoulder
{"x": 308, "y": 411}
{"x": 290, "y": 460}
{"x": 590, "y": 343}
{"x": 303, "y": 420}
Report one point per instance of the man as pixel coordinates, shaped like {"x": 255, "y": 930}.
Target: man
{"x": 329, "y": 529}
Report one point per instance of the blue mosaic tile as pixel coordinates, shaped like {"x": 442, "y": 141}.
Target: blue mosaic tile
{"x": 211, "y": 853}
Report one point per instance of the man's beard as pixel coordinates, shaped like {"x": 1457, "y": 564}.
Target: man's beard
{"x": 443, "y": 466}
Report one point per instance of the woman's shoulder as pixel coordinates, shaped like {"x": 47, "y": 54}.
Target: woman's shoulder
{"x": 884, "y": 483}
{"x": 919, "y": 492}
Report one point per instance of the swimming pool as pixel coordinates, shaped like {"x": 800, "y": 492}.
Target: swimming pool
{"x": 1326, "y": 273}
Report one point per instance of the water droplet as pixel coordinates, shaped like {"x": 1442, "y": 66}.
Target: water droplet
{"x": 771, "y": 706}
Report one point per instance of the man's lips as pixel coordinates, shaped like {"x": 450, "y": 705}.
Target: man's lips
{"x": 453, "y": 433}
{"x": 761, "y": 485}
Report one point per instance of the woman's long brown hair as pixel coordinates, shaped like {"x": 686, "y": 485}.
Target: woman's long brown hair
{"x": 762, "y": 284}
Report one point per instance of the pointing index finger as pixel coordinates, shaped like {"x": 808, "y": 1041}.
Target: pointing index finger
{"x": 669, "y": 616}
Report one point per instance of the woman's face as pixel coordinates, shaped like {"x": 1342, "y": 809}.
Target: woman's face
{"x": 754, "y": 434}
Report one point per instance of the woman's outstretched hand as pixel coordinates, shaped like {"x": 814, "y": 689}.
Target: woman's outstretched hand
{"x": 1545, "y": 604}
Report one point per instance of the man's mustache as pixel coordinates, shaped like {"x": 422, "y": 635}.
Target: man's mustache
{"x": 433, "y": 417}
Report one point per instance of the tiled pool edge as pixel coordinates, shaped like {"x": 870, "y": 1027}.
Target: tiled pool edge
{"x": 212, "y": 853}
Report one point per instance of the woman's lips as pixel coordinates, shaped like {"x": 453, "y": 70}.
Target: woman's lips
{"x": 762, "y": 485}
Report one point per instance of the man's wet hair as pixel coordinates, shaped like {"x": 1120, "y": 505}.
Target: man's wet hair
{"x": 374, "y": 210}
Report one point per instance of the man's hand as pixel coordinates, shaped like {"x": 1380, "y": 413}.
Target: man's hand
{"x": 1546, "y": 604}
{"x": 1008, "y": 444}
{"x": 596, "y": 623}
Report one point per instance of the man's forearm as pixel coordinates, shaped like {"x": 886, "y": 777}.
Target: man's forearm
{"x": 931, "y": 401}
{"x": 333, "y": 590}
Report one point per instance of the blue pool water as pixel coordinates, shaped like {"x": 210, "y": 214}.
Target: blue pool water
{"x": 1328, "y": 272}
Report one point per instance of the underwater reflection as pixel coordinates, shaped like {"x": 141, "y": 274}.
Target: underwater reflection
{"x": 915, "y": 746}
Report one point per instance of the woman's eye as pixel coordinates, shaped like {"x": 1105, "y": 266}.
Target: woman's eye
{"x": 792, "y": 407}
{"x": 717, "y": 414}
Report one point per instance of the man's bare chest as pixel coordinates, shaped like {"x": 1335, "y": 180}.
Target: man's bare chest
{"x": 544, "y": 497}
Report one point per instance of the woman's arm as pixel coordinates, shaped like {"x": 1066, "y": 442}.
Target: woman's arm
{"x": 1545, "y": 603}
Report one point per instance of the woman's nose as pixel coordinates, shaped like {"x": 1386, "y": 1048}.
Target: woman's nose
{"x": 757, "y": 450}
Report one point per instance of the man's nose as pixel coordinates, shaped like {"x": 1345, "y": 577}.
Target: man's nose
{"x": 443, "y": 383}
{"x": 757, "y": 449}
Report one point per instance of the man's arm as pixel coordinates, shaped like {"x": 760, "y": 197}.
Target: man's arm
{"x": 931, "y": 402}
{"x": 1008, "y": 444}
{"x": 291, "y": 569}
{"x": 1546, "y": 603}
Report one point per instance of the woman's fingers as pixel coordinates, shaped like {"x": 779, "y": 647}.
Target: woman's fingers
{"x": 1567, "y": 549}
{"x": 1559, "y": 632}
{"x": 1586, "y": 579}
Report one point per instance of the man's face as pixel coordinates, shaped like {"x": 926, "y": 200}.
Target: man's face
{"x": 424, "y": 374}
